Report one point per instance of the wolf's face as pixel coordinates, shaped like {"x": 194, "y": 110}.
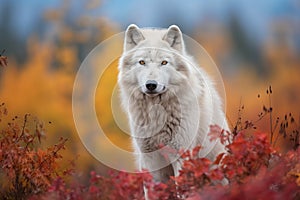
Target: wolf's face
{"x": 153, "y": 64}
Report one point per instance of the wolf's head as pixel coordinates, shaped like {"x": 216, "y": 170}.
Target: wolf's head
{"x": 153, "y": 60}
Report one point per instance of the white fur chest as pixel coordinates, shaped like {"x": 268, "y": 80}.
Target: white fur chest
{"x": 161, "y": 120}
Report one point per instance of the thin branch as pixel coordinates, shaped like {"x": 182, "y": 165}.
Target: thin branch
{"x": 23, "y": 127}
{"x": 270, "y": 114}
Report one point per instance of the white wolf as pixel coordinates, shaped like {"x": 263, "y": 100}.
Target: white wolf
{"x": 169, "y": 100}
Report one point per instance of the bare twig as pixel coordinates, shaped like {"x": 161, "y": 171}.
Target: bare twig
{"x": 269, "y": 92}
{"x": 23, "y": 127}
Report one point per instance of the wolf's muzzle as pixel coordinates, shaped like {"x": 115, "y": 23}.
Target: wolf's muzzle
{"x": 153, "y": 88}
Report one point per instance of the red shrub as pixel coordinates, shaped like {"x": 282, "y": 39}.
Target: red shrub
{"x": 251, "y": 169}
{"x": 246, "y": 156}
{"x": 25, "y": 168}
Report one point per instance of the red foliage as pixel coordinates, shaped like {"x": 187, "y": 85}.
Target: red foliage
{"x": 246, "y": 156}
{"x": 25, "y": 168}
{"x": 250, "y": 169}
{"x": 253, "y": 169}
{"x": 120, "y": 185}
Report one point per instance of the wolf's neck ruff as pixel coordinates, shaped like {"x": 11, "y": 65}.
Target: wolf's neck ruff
{"x": 155, "y": 116}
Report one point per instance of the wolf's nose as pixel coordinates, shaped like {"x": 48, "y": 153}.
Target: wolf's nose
{"x": 151, "y": 85}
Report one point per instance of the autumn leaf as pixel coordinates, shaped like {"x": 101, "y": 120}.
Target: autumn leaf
{"x": 3, "y": 59}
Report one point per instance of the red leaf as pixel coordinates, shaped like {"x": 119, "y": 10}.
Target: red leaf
{"x": 219, "y": 158}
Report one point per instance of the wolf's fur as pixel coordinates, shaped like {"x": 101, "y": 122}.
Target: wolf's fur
{"x": 182, "y": 107}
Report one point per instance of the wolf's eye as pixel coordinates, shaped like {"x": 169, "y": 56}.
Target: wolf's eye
{"x": 164, "y": 62}
{"x": 142, "y": 62}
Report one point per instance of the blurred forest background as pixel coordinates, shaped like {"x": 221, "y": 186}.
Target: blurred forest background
{"x": 254, "y": 43}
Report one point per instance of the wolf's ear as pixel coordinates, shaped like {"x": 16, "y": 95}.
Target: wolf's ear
{"x": 133, "y": 36}
{"x": 174, "y": 38}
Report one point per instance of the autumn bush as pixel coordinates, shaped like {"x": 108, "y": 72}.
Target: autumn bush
{"x": 252, "y": 168}
{"x": 26, "y": 168}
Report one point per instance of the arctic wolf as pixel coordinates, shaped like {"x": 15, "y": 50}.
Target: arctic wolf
{"x": 169, "y": 100}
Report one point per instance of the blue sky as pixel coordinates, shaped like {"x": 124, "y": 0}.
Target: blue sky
{"x": 255, "y": 15}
